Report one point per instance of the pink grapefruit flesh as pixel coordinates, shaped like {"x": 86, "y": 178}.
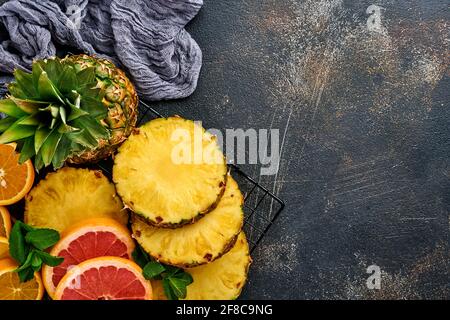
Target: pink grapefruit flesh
{"x": 90, "y": 239}
{"x": 104, "y": 278}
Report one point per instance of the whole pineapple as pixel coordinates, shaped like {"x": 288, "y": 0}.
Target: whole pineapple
{"x": 120, "y": 98}
{"x": 78, "y": 109}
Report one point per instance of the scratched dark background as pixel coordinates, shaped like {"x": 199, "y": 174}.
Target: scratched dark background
{"x": 364, "y": 124}
{"x": 365, "y": 118}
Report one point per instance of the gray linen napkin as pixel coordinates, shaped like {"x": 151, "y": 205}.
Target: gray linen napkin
{"x": 146, "y": 37}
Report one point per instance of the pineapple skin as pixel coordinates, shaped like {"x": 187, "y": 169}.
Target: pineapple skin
{"x": 181, "y": 223}
{"x": 120, "y": 99}
{"x": 227, "y": 247}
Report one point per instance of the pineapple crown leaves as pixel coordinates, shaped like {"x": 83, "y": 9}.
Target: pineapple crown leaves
{"x": 53, "y": 112}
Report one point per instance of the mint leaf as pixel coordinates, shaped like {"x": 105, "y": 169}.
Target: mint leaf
{"x": 153, "y": 269}
{"x": 17, "y": 246}
{"x": 178, "y": 283}
{"x": 49, "y": 259}
{"x": 178, "y": 287}
{"x": 171, "y": 271}
{"x": 168, "y": 290}
{"x": 185, "y": 277}
{"x": 42, "y": 238}
{"x": 36, "y": 262}
{"x": 27, "y": 262}
{"x": 140, "y": 256}
{"x": 26, "y": 247}
{"x": 26, "y": 274}
{"x": 175, "y": 280}
{"x": 25, "y": 227}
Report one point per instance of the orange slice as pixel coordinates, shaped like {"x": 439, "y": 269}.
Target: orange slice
{"x": 5, "y": 222}
{"x": 16, "y": 179}
{"x": 104, "y": 278}
{"x": 12, "y": 289}
{"x": 4, "y": 248}
{"x": 86, "y": 240}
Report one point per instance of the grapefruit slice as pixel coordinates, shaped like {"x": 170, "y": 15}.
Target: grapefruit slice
{"x": 12, "y": 289}
{"x": 5, "y": 222}
{"x": 104, "y": 278}
{"x": 16, "y": 179}
{"x": 86, "y": 240}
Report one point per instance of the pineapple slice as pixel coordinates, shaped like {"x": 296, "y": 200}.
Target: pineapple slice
{"x": 171, "y": 172}
{"x": 198, "y": 243}
{"x": 70, "y": 195}
{"x": 224, "y": 278}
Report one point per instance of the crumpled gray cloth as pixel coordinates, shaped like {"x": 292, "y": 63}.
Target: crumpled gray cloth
{"x": 145, "y": 37}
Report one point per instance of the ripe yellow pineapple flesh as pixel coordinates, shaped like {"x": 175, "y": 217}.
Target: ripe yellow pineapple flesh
{"x": 171, "y": 172}
{"x": 71, "y": 195}
{"x": 198, "y": 243}
{"x": 224, "y": 278}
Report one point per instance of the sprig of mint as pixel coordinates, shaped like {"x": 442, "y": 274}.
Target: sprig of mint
{"x": 175, "y": 280}
{"x": 27, "y": 245}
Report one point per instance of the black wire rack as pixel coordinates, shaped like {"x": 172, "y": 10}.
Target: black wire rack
{"x": 261, "y": 207}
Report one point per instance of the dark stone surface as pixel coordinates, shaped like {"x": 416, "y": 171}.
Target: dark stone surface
{"x": 365, "y": 118}
{"x": 365, "y": 115}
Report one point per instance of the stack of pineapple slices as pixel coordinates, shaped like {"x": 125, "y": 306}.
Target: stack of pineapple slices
{"x": 198, "y": 243}
{"x": 187, "y": 210}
